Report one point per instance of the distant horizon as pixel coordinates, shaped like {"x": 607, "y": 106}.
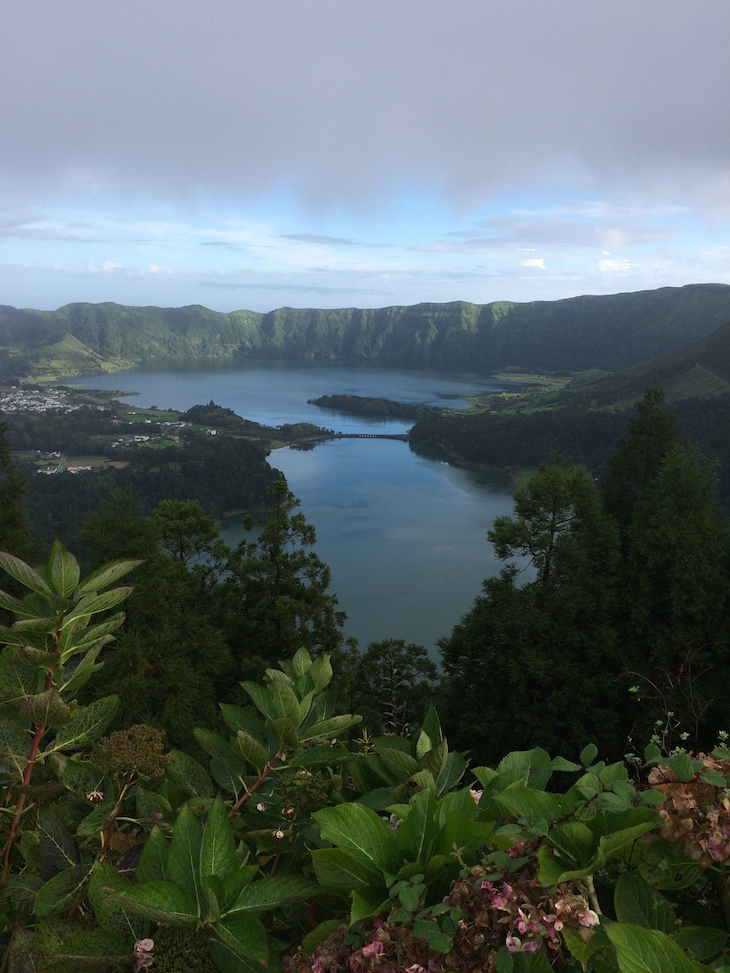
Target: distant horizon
{"x": 363, "y": 155}
{"x": 362, "y": 307}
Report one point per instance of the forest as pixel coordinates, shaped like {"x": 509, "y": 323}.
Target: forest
{"x": 213, "y": 779}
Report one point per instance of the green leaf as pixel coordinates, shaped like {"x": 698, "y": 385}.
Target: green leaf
{"x": 62, "y": 891}
{"x": 261, "y": 699}
{"x": 252, "y": 751}
{"x": 73, "y": 678}
{"x": 24, "y": 573}
{"x": 239, "y": 937}
{"x": 73, "y": 641}
{"x": 163, "y": 902}
{"x": 582, "y": 949}
{"x": 269, "y": 893}
{"x": 110, "y": 914}
{"x": 418, "y": 831}
{"x": 681, "y": 765}
{"x": 401, "y": 764}
{"x": 183, "y": 862}
{"x": 302, "y": 662}
{"x": 218, "y": 852}
{"x": 537, "y": 807}
{"x": 190, "y": 775}
{"x": 92, "y": 604}
{"x": 575, "y": 843}
{"x": 62, "y": 571}
{"x": 86, "y": 724}
{"x": 246, "y": 719}
{"x": 342, "y": 873}
{"x": 648, "y": 951}
{"x": 15, "y": 744}
{"x": 357, "y": 829}
{"x": 47, "y": 709}
{"x": 638, "y": 904}
{"x": 95, "y": 821}
{"x": 56, "y": 848}
{"x": 235, "y": 882}
{"x": 454, "y": 769}
{"x": 564, "y": 766}
{"x": 365, "y": 905}
{"x": 18, "y": 606}
{"x": 701, "y": 942}
{"x": 219, "y": 748}
{"x": 105, "y": 575}
{"x": 533, "y": 766}
{"x": 321, "y": 673}
{"x": 588, "y": 754}
{"x": 21, "y": 676}
{"x": 332, "y": 727}
{"x": 714, "y": 778}
{"x": 153, "y": 863}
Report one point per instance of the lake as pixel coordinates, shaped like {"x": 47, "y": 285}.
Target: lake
{"x": 403, "y": 531}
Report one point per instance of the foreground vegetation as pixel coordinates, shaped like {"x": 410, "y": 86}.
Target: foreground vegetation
{"x": 238, "y": 788}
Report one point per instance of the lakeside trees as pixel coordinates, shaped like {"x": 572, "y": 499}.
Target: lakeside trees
{"x": 630, "y": 586}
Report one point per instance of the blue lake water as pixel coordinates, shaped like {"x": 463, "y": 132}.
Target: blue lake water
{"x": 403, "y": 531}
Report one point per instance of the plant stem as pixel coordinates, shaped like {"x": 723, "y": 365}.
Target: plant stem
{"x": 115, "y": 815}
{"x": 251, "y": 790}
{"x": 39, "y": 731}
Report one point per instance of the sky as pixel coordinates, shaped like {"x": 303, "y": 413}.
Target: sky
{"x": 360, "y": 153}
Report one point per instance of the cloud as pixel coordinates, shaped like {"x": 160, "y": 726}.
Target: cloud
{"x": 342, "y": 103}
{"x": 537, "y": 262}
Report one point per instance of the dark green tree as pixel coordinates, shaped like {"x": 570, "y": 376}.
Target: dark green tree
{"x": 171, "y": 664}
{"x": 275, "y": 596}
{"x": 393, "y": 684}
{"x": 535, "y": 663}
{"x": 677, "y": 595}
{"x": 15, "y": 534}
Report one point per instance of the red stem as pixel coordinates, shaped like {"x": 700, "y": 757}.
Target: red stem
{"x": 251, "y": 790}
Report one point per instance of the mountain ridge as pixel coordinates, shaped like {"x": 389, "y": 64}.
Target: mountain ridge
{"x": 609, "y": 332}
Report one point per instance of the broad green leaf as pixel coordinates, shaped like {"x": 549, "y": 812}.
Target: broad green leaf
{"x": 18, "y": 606}
{"x": 252, "y": 750}
{"x": 588, "y": 754}
{"x": 183, "y": 861}
{"x": 235, "y": 882}
{"x": 364, "y": 906}
{"x": 86, "y": 724}
{"x": 219, "y": 748}
{"x": 574, "y": 842}
{"x": 701, "y": 942}
{"x": 151, "y": 806}
{"x": 57, "y": 850}
{"x": 627, "y": 827}
{"x": 261, "y": 699}
{"x": 105, "y": 575}
{"x": 648, "y": 951}
{"x": 74, "y": 640}
{"x": 418, "y": 831}
{"x": 47, "y": 709}
{"x": 218, "y": 852}
{"x": 324, "y": 756}
{"x": 92, "y": 949}
{"x": 319, "y": 934}
{"x": 285, "y": 700}
{"x": 190, "y": 775}
{"x": 15, "y": 744}
{"x": 286, "y": 731}
{"x": 163, "y": 902}
{"x": 110, "y": 914}
{"x": 47, "y": 625}
{"x": 435, "y": 759}
{"x": 342, "y": 873}
{"x": 331, "y": 727}
{"x": 153, "y": 863}
{"x": 20, "y": 676}
{"x": 302, "y": 662}
{"x": 24, "y": 573}
{"x": 246, "y": 719}
{"x": 401, "y": 764}
{"x": 682, "y": 765}
{"x": 564, "y": 766}
{"x": 62, "y": 571}
{"x": 243, "y": 937}
{"x": 460, "y": 832}
{"x": 321, "y": 673}
{"x": 95, "y": 821}
{"x": 666, "y": 866}
{"x": 582, "y": 949}
{"x": 269, "y": 893}
{"x": 638, "y": 904}
{"x": 432, "y": 726}
{"x": 357, "y": 829}
{"x": 453, "y": 771}
{"x": 535, "y": 806}
{"x": 92, "y": 604}
{"x": 62, "y": 891}
{"x": 533, "y": 765}
{"x": 72, "y": 678}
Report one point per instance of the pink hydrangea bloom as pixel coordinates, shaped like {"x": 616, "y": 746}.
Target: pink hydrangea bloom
{"x": 372, "y": 950}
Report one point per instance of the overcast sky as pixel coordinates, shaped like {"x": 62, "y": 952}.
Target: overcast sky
{"x": 337, "y": 153}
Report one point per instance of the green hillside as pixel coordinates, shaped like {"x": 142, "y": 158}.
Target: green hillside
{"x": 611, "y": 333}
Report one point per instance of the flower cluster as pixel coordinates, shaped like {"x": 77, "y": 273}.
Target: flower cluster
{"x": 143, "y": 954}
{"x": 696, "y": 812}
{"x": 138, "y": 750}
